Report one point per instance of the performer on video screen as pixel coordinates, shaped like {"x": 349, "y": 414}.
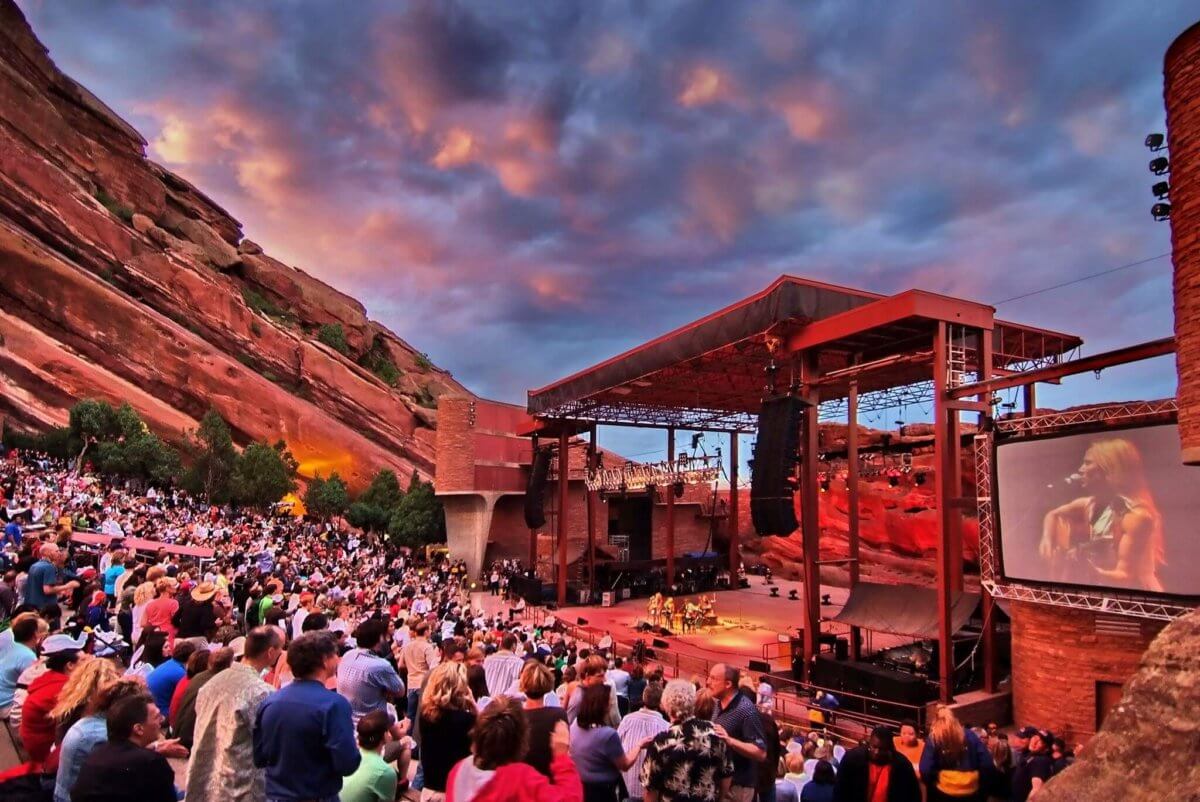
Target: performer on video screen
{"x": 1113, "y": 535}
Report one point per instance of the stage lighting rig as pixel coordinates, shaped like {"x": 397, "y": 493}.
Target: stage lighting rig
{"x": 1160, "y": 166}
{"x": 775, "y": 592}
{"x": 1161, "y": 190}
{"x": 1156, "y": 142}
{"x": 793, "y": 595}
{"x": 1161, "y": 211}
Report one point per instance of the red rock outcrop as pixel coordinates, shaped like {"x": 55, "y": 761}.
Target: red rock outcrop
{"x": 121, "y": 280}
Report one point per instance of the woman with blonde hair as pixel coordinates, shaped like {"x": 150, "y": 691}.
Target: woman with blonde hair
{"x": 536, "y": 682}
{"x": 1114, "y": 534}
{"x": 142, "y": 596}
{"x": 81, "y": 690}
{"x": 445, "y": 719}
{"x": 955, "y": 765}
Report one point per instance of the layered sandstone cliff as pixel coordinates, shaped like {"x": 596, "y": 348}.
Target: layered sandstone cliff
{"x": 121, "y": 280}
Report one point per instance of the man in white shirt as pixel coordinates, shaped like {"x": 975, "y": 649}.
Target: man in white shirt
{"x": 618, "y": 678}
{"x": 503, "y": 669}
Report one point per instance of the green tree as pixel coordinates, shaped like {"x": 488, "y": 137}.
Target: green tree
{"x": 263, "y": 474}
{"x": 419, "y": 518}
{"x": 374, "y": 507}
{"x": 213, "y": 459}
{"x": 327, "y": 497}
{"x": 333, "y": 335}
{"x": 91, "y": 421}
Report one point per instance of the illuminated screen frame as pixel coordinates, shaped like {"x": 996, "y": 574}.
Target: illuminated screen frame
{"x": 1160, "y": 607}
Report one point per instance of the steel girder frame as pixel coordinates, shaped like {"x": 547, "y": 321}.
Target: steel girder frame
{"x": 990, "y": 576}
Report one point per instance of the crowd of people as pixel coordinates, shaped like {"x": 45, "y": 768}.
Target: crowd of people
{"x": 307, "y": 661}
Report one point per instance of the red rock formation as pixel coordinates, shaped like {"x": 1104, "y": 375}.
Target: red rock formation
{"x": 121, "y": 280}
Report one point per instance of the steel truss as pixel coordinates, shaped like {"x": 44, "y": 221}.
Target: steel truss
{"x": 989, "y": 557}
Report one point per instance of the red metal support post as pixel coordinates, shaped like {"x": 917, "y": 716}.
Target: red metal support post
{"x": 810, "y": 520}
{"x": 564, "y": 485}
{"x": 944, "y": 492}
{"x": 852, "y": 493}
{"x": 670, "y": 491}
{"x": 591, "y": 516}
{"x": 735, "y": 557}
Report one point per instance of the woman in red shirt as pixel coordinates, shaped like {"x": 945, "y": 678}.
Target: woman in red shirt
{"x": 160, "y": 612}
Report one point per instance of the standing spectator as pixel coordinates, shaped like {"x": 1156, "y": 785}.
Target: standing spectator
{"x": 184, "y": 724}
{"x": 1034, "y": 768}
{"x": 364, "y": 678}
{"x": 637, "y": 685}
{"x": 160, "y": 613}
{"x": 591, "y": 673}
{"x": 8, "y": 594}
{"x": 909, "y": 745}
{"x": 618, "y": 678}
{"x": 374, "y": 780}
{"x": 769, "y": 767}
{"x": 123, "y": 769}
{"x": 738, "y": 723}
{"x": 536, "y": 683}
{"x": 20, "y": 655}
{"x": 197, "y": 616}
{"x": 222, "y": 765}
{"x": 446, "y": 716}
{"x": 876, "y": 772}
{"x": 80, "y": 692}
{"x": 45, "y": 579}
{"x": 644, "y": 723}
{"x": 304, "y": 733}
{"x": 493, "y": 773}
{"x": 688, "y": 762}
{"x": 112, "y": 572}
{"x": 63, "y": 655}
{"x": 91, "y": 730}
{"x": 417, "y": 658}
{"x": 955, "y": 763}
{"x": 1001, "y": 784}
{"x": 503, "y": 668}
{"x": 168, "y": 674}
{"x": 197, "y": 664}
{"x": 596, "y": 747}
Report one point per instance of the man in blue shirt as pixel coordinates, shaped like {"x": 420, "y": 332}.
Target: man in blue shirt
{"x": 163, "y": 679}
{"x": 303, "y": 735}
{"x": 45, "y": 577}
{"x": 737, "y": 723}
{"x": 367, "y": 680}
{"x": 12, "y": 533}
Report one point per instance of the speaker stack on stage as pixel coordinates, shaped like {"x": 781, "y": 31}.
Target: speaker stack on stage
{"x": 535, "y": 490}
{"x": 775, "y": 454}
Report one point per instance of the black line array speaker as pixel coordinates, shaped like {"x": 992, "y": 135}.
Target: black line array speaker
{"x": 775, "y": 451}
{"x": 658, "y": 643}
{"x": 535, "y": 491}
{"x": 760, "y": 666}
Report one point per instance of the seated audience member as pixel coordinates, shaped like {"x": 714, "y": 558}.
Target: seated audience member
{"x": 374, "y": 780}
{"x": 123, "y": 769}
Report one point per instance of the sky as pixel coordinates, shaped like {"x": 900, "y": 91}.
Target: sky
{"x": 523, "y": 189}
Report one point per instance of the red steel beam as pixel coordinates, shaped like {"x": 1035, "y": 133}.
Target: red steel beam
{"x": 943, "y": 494}
{"x": 735, "y": 558}
{"x": 1108, "y": 359}
{"x": 670, "y": 491}
{"x": 852, "y": 488}
{"x": 910, "y": 304}
{"x": 810, "y": 521}
{"x": 564, "y": 485}
{"x": 591, "y": 515}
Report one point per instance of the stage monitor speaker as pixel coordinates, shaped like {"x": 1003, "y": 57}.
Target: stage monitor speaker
{"x": 760, "y": 667}
{"x": 772, "y": 509}
{"x": 658, "y": 643}
{"x": 583, "y": 622}
{"x": 535, "y": 490}
{"x": 841, "y": 649}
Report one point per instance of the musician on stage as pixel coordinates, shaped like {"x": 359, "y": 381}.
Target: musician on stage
{"x": 668, "y": 612}
{"x": 1114, "y": 534}
{"x": 708, "y": 609}
{"x": 654, "y": 608}
{"x": 691, "y": 616}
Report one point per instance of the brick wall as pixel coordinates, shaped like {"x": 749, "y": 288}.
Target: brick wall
{"x": 455, "y": 444}
{"x": 1182, "y": 95}
{"x": 1057, "y": 659}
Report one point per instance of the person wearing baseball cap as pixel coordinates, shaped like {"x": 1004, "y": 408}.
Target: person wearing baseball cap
{"x": 62, "y": 654}
{"x": 1035, "y": 766}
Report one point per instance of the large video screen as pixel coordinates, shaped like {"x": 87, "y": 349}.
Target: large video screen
{"x": 1112, "y": 509}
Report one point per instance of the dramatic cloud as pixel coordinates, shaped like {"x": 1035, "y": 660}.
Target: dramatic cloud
{"x": 524, "y": 189}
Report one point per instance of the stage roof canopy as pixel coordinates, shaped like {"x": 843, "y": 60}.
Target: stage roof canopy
{"x": 903, "y": 609}
{"x": 710, "y": 374}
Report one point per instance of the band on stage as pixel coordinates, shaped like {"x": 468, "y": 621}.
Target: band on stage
{"x": 682, "y": 616}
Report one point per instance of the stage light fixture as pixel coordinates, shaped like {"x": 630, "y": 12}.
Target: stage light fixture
{"x": 1156, "y": 142}
{"x": 793, "y": 595}
{"x": 775, "y": 592}
{"x": 1161, "y": 189}
{"x": 826, "y": 600}
{"x": 1161, "y": 211}
{"x": 1160, "y": 165}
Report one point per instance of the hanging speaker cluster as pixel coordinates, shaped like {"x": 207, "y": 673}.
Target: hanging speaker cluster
{"x": 772, "y": 484}
{"x": 535, "y": 490}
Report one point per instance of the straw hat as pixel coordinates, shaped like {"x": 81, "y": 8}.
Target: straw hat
{"x": 204, "y": 591}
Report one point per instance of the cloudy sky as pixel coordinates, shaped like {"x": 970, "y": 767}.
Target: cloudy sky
{"x": 522, "y": 189}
